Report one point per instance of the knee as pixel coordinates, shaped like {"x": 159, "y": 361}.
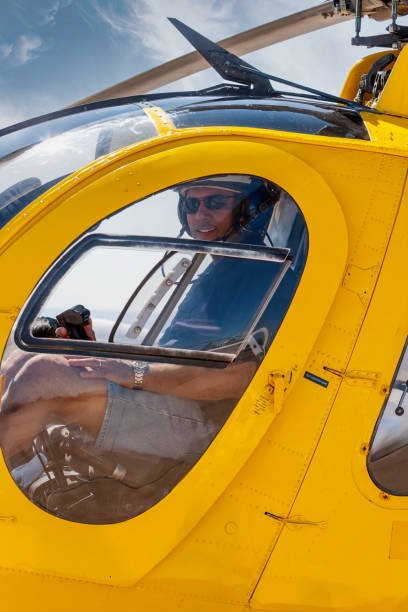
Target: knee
{"x": 40, "y": 366}
{"x": 37, "y": 379}
{"x": 41, "y": 371}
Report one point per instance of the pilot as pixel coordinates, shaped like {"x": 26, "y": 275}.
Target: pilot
{"x": 157, "y": 408}
{"x": 236, "y": 209}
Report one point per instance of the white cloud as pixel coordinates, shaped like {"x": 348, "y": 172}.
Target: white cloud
{"x": 27, "y": 48}
{"x": 299, "y": 59}
{"x": 142, "y": 37}
{"x": 50, "y": 13}
{"x": 24, "y": 49}
{"x": 146, "y": 21}
{"x": 5, "y": 51}
{"x": 143, "y": 22}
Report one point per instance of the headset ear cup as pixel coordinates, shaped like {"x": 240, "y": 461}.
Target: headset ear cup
{"x": 182, "y": 216}
{"x": 243, "y": 215}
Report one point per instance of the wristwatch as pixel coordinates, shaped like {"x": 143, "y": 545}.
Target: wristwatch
{"x": 139, "y": 370}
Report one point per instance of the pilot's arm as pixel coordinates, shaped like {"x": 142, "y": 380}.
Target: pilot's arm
{"x": 193, "y": 382}
{"x": 52, "y": 377}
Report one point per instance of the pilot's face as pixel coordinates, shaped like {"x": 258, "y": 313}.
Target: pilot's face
{"x": 210, "y": 212}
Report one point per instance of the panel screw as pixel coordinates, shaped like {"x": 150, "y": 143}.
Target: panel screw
{"x": 230, "y": 528}
{"x": 399, "y": 411}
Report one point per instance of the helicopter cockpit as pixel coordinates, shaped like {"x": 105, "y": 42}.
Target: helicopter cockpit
{"x": 162, "y": 288}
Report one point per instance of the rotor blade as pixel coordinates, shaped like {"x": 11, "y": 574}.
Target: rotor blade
{"x": 306, "y": 21}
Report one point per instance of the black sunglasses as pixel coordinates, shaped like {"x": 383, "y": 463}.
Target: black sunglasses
{"x": 215, "y": 201}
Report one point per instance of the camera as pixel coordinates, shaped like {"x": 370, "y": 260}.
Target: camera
{"x": 74, "y": 320}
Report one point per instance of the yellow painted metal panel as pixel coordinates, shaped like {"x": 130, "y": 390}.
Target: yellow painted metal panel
{"x": 161, "y": 120}
{"x": 387, "y": 131}
{"x": 326, "y": 541}
{"x": 394, "y": 98}
{"x": 399, "y": 540}
{"x": 107, "y": 550}
{"x": 343, "y": 561}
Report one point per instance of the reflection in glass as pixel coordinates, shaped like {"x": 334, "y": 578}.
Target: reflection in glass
{"x": 35, "y": 158}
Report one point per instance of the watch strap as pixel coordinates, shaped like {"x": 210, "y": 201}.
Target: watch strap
{"x": 139, "y": 370}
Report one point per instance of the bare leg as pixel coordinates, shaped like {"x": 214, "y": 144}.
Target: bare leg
{"x": 44, "y": 387}
{"x": 19, "y": 427}
{"x": 45, "y": 377}
{"x": 11, "y": 366}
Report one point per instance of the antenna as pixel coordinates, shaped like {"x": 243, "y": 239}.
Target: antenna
{"x": 228, "y": 65}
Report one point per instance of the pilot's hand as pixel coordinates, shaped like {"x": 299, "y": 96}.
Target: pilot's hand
{"x": 62, "y": 332}
{"x": 114, "y": 370}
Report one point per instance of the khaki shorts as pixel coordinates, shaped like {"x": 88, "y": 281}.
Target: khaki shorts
{"x": 154, "y": 424}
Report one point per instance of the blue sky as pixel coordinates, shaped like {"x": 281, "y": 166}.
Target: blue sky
{"x": 54, "y": 52}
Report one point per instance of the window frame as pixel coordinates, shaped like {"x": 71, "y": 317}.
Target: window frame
{"x": 25, "y": 341}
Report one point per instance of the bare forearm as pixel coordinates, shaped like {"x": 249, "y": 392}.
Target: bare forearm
{"x": 191, "y": 382}
{"x": 198, "y": 382}
{"x": 45, "y": 377}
